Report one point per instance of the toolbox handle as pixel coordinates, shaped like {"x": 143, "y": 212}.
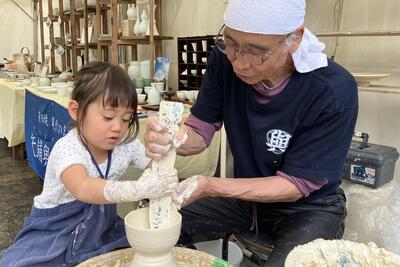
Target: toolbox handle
{"x": 364, "y": 137}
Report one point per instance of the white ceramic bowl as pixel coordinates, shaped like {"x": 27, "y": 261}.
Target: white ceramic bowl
{"x": 159, "y": 86}
{"x": 139, "y": 91}
{"x": 181, "y": 95}
{"x": 152, "y": 245}
{"x": 141, "y": 97}
{"x": 190, "y": 95}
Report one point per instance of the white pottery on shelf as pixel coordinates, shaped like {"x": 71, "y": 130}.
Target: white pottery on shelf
{"x": 144, "y": 23}
{"x": 134, "y": 70}
{"x": 92, "y": 56}
{"x": 153, "y": 247}
{"x": 131, "y": 12}
{"x": 136, "y": 28}
{"x": 153, "y": 97}
{"x": 155, "y": 31}
{"x": 145, "y": 69}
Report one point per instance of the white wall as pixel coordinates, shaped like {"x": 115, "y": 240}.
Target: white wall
{"x": 16, "y": 28}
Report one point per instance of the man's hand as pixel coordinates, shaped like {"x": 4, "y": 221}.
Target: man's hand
{"x": 190, "y": 190}
{"x": 156, "y": 140}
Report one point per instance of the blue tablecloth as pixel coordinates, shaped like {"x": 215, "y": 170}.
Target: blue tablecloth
{"x": 45, "y": 123}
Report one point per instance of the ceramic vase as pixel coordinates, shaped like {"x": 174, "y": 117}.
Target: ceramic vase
{"x": 134, "y": 70}
{"x": 131, "y": 12}
{"x": 155, "y": 31}
{"x": 92, "y": 56}
{"x": 136, "y": 28}
{"x": 144, "y": 23}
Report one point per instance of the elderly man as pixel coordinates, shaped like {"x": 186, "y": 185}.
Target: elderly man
{"x": 289, "y": 114}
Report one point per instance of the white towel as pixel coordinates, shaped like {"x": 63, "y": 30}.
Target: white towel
{"x": 278, "y": 17}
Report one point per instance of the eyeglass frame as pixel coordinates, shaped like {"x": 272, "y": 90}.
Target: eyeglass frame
{"x": 242, "y": 53}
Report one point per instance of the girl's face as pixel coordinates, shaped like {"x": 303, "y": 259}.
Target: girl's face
{"x": 104, "y": 126}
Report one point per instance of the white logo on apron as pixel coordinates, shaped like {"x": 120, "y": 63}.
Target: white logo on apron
{"x": 277, "y": 141}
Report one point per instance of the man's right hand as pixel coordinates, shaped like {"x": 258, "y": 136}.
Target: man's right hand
{"x": 156, "y": 140}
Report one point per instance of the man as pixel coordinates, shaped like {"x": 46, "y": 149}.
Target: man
{"x": 289, "y": 114}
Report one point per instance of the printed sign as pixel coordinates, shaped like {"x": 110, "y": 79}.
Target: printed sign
{"x": 45, "y": 123}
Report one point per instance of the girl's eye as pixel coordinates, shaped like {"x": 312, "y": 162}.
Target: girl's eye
{"x": 107, "y": 118}
{"x": 127, "y": 120}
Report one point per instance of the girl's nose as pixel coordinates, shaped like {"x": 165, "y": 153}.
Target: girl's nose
{"x": 117, "y": 126}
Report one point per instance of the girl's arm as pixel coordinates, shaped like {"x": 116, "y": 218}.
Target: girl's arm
{"x": 95, "y": 190}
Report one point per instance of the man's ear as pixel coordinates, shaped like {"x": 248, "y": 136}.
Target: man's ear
{"x": 73, "y": 107}
{"x": 295, "y": 39}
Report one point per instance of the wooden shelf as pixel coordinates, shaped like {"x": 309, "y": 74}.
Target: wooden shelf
{"x": 82, "y": 46}
{"x": 144, "y": 40}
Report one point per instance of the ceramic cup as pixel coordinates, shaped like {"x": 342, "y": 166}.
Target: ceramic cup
{"x": 194, "y": 46}
{"x": 184, "y": 57}
{"x": 193, "y": 72}
{"x": 190, "y": 95}
{"x": 181, "y": 95}
{"x": 159, "y": 86}
{"x": 62, "y": 89}
{"x": 139, "y": 91}
{"x": 141, "y": 98}
{"x": 204, "y": 45}
{"x": 43, "y": 81}
{"x": 147, "y": 89}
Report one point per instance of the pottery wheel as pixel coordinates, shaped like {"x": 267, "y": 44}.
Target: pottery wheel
{"x": 184, "y": 258}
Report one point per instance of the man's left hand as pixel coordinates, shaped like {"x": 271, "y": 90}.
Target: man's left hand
{"x": 190, "y": 190}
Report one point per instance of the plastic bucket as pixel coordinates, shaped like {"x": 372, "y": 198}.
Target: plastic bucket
{"x": 214, "y": 247}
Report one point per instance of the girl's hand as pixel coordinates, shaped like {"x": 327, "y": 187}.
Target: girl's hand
{"x": 152, "y": 184}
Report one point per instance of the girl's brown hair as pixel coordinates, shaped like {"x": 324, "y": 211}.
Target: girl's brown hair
{"x": 110, "y": 84}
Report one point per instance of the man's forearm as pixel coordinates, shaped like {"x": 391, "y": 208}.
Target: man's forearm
{"x": 194, "y": 143}
{"x": 267, "y": 189}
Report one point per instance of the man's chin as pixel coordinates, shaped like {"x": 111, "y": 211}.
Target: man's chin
{"x": 247, "y": 80}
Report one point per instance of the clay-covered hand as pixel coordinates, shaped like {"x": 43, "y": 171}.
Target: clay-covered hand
{"x": 156, "y": 140}
{"x": 152, "y": 184}
{"x": 189, "y": 190}
{"x": 180, "y": 137}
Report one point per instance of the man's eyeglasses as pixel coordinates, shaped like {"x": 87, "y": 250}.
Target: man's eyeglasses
{"x": 231, "y": 51}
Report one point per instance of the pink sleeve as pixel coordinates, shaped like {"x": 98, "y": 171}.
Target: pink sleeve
{"x": 205, "y": 129}
{"x": 305, "y": 186}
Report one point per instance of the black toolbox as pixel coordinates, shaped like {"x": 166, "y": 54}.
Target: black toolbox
{"x": 369, "y": 164}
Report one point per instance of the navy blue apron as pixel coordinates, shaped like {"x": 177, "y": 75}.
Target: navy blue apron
{"x": 67, "y": 234}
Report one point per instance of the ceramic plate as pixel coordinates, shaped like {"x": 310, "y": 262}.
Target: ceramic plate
{"x": 47, "y": 89}
{"x": 364, "y": 78}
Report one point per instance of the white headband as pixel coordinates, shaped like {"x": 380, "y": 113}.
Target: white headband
{"x": 278, "y": 17}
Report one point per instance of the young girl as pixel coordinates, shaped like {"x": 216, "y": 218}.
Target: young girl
{"x": 75, "y": 217}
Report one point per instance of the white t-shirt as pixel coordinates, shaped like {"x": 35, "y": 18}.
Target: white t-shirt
{"x": 68, "y": 151}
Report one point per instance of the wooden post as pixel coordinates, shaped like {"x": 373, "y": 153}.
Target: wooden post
{"x": 41, "y": 30}
{"x": 51, "y": 31}
{"x": 114, "y": 34}
{"x": 62, "y": 32}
